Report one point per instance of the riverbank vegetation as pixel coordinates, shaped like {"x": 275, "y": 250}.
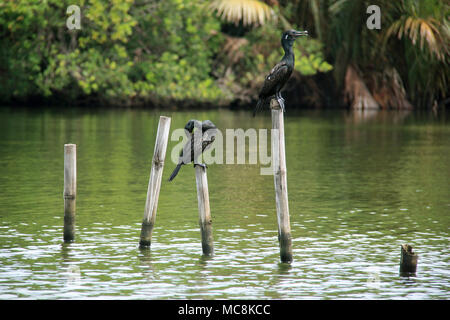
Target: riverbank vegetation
{"x": 216, "y": 53}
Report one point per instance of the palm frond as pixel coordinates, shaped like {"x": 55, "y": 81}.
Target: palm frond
{"x": 422, "y": 30}
{"x": 250, "y": 12}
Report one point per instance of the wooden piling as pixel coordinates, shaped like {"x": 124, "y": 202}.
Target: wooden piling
{"x": 154, "y": 183}
{"x": 70, "y": 191}
{"x": 280, "y": 181}
{"x": 408, "y": 261}
{"x": 205, "y": 220}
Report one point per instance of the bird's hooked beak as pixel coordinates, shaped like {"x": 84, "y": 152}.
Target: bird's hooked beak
{"x": 300, "y": 33}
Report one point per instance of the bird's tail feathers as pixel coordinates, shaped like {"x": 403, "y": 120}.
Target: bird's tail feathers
{"x": 175, "y": 171}
{"x": 259, "y": 105}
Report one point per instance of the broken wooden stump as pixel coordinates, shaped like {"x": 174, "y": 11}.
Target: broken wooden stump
{"x": 408, "y": 261}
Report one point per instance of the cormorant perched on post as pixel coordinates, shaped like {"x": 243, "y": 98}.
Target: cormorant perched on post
{"x": 280, "y": 74}
{"x": 197, "y": 143}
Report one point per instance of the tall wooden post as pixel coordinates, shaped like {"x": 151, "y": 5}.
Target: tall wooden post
{"x": 280, "y": 181}
{"x": 204, "y": 212}
{"x": 154, "y": 183}
{"x": 70, "y": 191}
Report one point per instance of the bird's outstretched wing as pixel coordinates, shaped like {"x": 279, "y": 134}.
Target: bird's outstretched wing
{"x": 276, "y": 76}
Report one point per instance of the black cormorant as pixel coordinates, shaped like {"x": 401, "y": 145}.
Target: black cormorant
{"x": 280, "y": 74}
{"x": 195, "y": 145}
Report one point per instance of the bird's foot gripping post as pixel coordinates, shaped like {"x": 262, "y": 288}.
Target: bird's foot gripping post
{"x": 280, "y": 181}
{"x": 280, "y": 101}
{"x": 204, "y": 211}
{"x": 154, "y": 183}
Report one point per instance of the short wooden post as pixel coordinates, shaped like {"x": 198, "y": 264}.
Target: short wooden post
{"x": 205, "y": 220}
{"x": 154, "y": 183}
{"x": 280, "y": 181}
{"x": 70, "y": 191}
{"x": 408, "y": 261}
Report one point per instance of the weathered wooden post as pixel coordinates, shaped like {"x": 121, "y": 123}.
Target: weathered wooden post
{"x": 280, "y": 181}
{"x": 70, "y": 191}
{"x": 154, "y": 183}
{"x": 204, "y": 212}
{"x": 408, "y": 261}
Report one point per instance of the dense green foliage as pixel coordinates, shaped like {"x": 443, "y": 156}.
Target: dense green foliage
{"x": 127, "y": 52}
{"x": 124, "y": 52}
{"x": 134, "y": 52}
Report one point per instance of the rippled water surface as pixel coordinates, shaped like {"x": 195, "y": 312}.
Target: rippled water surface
{"x": 359, "y": 187}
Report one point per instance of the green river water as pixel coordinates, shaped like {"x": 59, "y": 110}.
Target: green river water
{"x": 359, "y": 186}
